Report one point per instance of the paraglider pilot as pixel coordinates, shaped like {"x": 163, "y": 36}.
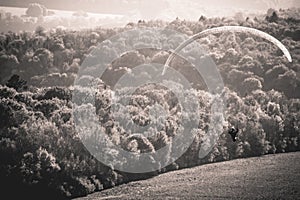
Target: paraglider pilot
{"x": 233, "y": 133}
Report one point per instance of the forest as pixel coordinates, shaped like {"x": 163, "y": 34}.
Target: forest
{"x": 40, "y": 148}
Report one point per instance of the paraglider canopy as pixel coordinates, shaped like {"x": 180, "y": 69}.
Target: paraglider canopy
{"x": 221, "y": 29}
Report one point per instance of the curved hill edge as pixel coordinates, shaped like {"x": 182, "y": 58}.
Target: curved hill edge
{"x": 273, "y": 176}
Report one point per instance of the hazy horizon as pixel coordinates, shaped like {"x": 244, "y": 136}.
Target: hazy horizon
{"x": 118, "y": 13}
{"x": 162, "y": 9}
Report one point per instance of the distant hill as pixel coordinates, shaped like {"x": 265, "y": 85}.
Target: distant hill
{"x": 122, "y": 6}
{"x": 102, "y": 6}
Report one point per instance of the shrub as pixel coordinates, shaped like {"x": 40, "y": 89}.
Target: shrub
{"x": 15, "y": 82}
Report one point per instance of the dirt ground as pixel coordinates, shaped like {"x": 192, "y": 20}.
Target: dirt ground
{"x": 267, "y": 177}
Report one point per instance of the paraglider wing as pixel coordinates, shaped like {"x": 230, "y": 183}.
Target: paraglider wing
{"x": 240, "y": 29}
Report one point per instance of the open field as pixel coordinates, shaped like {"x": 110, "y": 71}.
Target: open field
{"x": 67, "y": 19}
{"x": 61, "y": 13}
{"x": 266, "y": 177}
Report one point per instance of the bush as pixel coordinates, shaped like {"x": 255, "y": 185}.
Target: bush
{"x": 15, "y": 82}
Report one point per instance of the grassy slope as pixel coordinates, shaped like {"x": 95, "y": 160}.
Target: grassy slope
{"x": 267, "y": 177}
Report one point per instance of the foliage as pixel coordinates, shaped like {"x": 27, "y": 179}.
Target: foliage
{"x": 40, "y": 148}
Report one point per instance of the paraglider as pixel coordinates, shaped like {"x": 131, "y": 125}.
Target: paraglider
{"x": 240, "y": 29}
{"x": 233, "y": 133}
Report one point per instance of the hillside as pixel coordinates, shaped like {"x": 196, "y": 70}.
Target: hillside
{"x": 20, "y": 22}
{"x": 266, "y": 177}
{"x": 69, "y": 111}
